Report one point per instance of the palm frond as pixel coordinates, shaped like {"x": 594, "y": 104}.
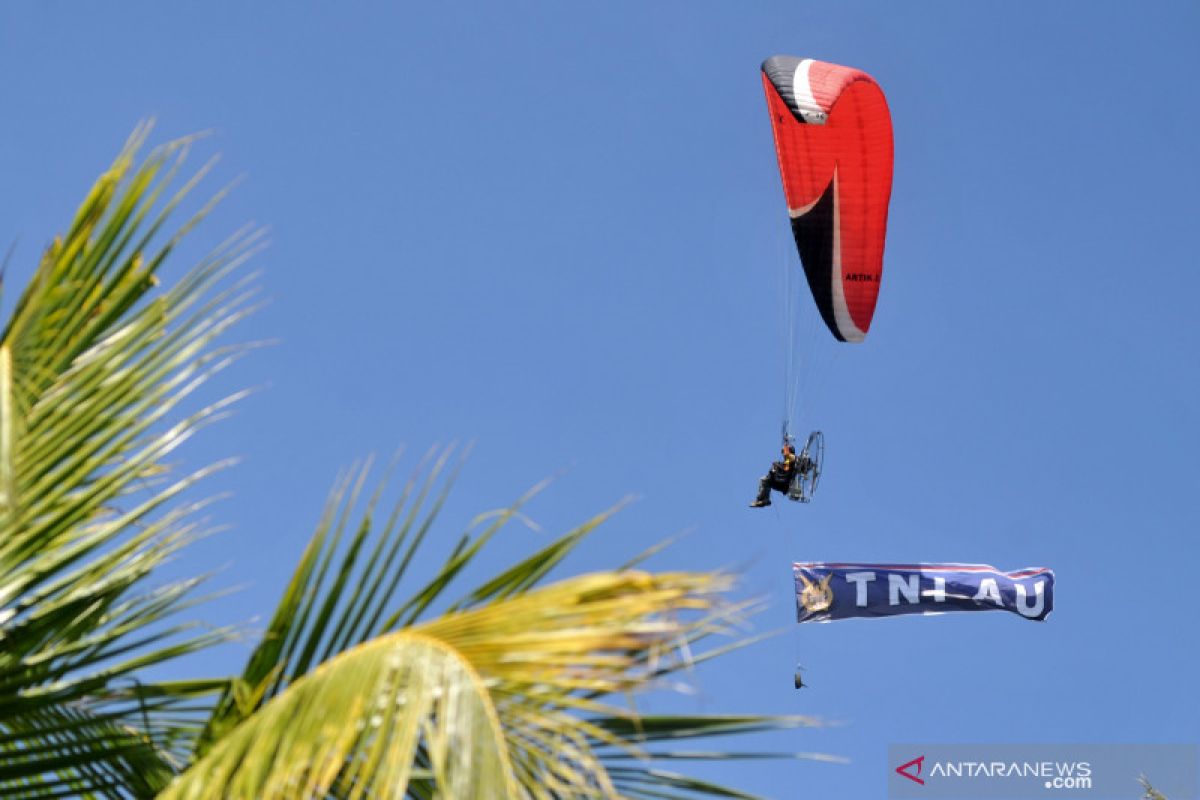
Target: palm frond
{"x": 96, "y": 365}
{"x": 84, "y": 750}
{"x": 488, "y": 696}
{"x": 357, "y": 721}
{"x": 549, "y": 658}
{"x": 315, "y": 614}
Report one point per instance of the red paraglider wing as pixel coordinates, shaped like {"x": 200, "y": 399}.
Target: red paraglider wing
{"x": 833, "y": 137}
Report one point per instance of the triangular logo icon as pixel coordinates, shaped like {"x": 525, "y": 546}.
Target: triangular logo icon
{"x": 912, "y": 776}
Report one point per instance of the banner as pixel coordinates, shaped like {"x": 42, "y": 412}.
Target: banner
{"x": 826, "y": 592}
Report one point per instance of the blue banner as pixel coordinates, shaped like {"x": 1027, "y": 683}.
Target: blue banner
{"x": 827, "y": 592}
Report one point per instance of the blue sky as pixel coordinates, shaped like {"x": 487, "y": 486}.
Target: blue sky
{"x": 557, "y": 230}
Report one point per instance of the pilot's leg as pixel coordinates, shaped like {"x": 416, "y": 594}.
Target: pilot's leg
{"x": 764, "y": 493}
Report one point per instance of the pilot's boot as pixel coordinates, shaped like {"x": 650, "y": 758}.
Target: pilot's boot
{"x": 764, "y": 494}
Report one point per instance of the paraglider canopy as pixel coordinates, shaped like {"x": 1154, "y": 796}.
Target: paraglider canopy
{"x": 833, "y": 139}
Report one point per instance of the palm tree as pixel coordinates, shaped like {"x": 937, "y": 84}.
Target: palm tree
{"x": 369, "y": 681}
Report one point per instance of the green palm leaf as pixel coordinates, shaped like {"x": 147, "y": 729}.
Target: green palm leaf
{"x": 488, "y": 697}
{"x": 94, "y": 368}
{"x": 539, "y": 661}
{"x": 357, "y": 722}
